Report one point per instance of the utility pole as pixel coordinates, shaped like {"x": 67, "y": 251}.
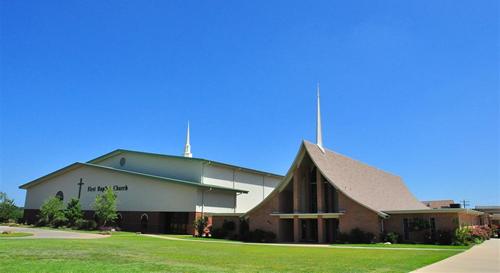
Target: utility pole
{"x": 465, "y": 203}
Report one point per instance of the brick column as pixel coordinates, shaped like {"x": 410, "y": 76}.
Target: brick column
{"x": 321, "y": 205}
{"x": 321, "y": 230}
{"x": 296, "y": 229}
{"x": 296, "y": 190}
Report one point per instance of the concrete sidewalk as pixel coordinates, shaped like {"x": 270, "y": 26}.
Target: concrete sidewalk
{"x": 481, "y": 258}
{"x": 39, "y": 233}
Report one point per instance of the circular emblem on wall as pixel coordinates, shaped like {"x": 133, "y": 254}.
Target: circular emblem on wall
{"x": 122, "y": 161}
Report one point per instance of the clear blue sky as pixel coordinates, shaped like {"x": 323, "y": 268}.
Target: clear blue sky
{"x": 411, "y": 87}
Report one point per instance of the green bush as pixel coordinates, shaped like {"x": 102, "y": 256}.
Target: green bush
{"x": 219, "y": 233}
{"x": 261, "y": 236}
{"x": 468, "y": 235}
{"x": 85, "y": 224}
{"x": 52, "y": 209}
{"x": 8, "y": 210}
{"x": 105, "y": 206}
{"x": 244, "y": 231}
{"x": 391, "y": 237}
{"x": 59, "y": 221}
{"x": 200, "y": 224}
{"x": 73, "y": 211}
{"x": 357, "y": 236}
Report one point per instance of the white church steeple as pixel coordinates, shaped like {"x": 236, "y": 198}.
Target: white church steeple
{"x": 319, "y": 134}
{"x": 187, "y": 148}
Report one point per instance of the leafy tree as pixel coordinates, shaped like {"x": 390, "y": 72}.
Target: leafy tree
{"x": 52, "y": 211}
{"x": 73, "y": 211}
{"x": 200, "y": 224}
{"x": 8, "y": 210}
{"x": 105, "y": 206}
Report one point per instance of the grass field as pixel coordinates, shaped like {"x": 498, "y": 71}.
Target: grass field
{"x": 15, "y": 234}
{"x": 128, "y": 252}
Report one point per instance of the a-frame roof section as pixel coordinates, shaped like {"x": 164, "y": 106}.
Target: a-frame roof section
{"x": 120, "y": 151}
{"x": 126, "y": 172}
{"x": 369, "y": 186}
{"x": 372, "y": 188}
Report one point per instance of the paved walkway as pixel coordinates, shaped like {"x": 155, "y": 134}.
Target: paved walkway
{"x": 302, "y": 245}
{"x": 483, "y": 258}
{"x": 39, "y": 233}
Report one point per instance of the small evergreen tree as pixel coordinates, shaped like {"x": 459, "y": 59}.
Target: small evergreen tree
{"x": 105, "y": 206}
{"x": 52, "y": 211}
{"x": 199, "y": 225}
{"x": 73, "y": 211}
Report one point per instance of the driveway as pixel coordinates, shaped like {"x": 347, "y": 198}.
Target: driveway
{"x": 39, "y": 233}
{"x": 481, "y": 258}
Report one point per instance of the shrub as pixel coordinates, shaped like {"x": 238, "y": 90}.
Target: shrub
{"x": 51, "y": 209}
{"x": 343, "y": 238}
{"x": 357, "y": 236}
{"x": 105, "y": 206}
{"x": 73, "y": 211}
{"x": 8, "y": 210}
{"x": 219, "y": 233}
{"x": 85, "y": 224}
{"x": 261, "y": 236}
{"x": 391, "y": 237}
{"x": 244, "y": 232}
{"x": 200, "y": 224}
{"x": 467, "y": 235}
{"x": 59, "y": 221}
{"x": 444, "y": 237}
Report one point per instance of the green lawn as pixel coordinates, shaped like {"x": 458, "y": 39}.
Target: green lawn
{"x": 15, "y": 234}
{"x": 407, "y": 246}
{"x": 128, "y": 252}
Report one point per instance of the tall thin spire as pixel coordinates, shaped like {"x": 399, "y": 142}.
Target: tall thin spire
{"x": 319, "y": 135}
{"x": 187, "y": 148}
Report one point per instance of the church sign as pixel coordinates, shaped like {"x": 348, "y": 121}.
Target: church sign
{"x": 103, "y": 188}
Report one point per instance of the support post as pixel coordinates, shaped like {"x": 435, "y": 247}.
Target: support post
{"x": 296, "y": 229}
{"x": 296, "y": 191}
{"x": 321, "y": 230}
{"x": 319, "y": 191}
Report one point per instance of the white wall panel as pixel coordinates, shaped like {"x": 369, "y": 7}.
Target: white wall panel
{"x": 143, "y": 194}
{"x": 179, "y": 168}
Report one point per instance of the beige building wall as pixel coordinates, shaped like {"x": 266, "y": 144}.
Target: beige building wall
{"x": 177, "y": 168}
{"x": 258, "y": 185}
{"x": 142, "y": 194}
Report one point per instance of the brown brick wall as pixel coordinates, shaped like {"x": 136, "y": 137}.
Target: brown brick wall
{"x": 131, "y": 220}
{"x": 444, "y": 221}
{"x": 357, "y": 216}
{"x": 260, "y": 218}
{"x": 468, "y": 219}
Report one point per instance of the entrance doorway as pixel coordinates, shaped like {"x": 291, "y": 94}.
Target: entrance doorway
{"x": 144, "y": 223}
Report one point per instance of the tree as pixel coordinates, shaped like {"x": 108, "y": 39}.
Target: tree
{"x": 105, "y": 206}
{"x": 8, "y": 210}
{"x": 199, "y": 225}
{"x": 73, "y": 211}
{"x": 52, "y": 212}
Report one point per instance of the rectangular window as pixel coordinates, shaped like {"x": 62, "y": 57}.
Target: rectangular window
{"x": 433, "y": 225}
{"x": 406, "y": 229}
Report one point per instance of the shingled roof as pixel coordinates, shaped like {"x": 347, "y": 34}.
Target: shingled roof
{"x": 369, "y": 186}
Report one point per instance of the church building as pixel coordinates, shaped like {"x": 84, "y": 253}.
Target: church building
{"x": 322, "y": 195}
{"x": 325, "y": 193}
{"x": 155, "y": 193}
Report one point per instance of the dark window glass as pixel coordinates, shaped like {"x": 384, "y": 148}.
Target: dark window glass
{"x": 60, "y": 195}
{"x": 433, "y": 225}
{"x": 406, "y": 229}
